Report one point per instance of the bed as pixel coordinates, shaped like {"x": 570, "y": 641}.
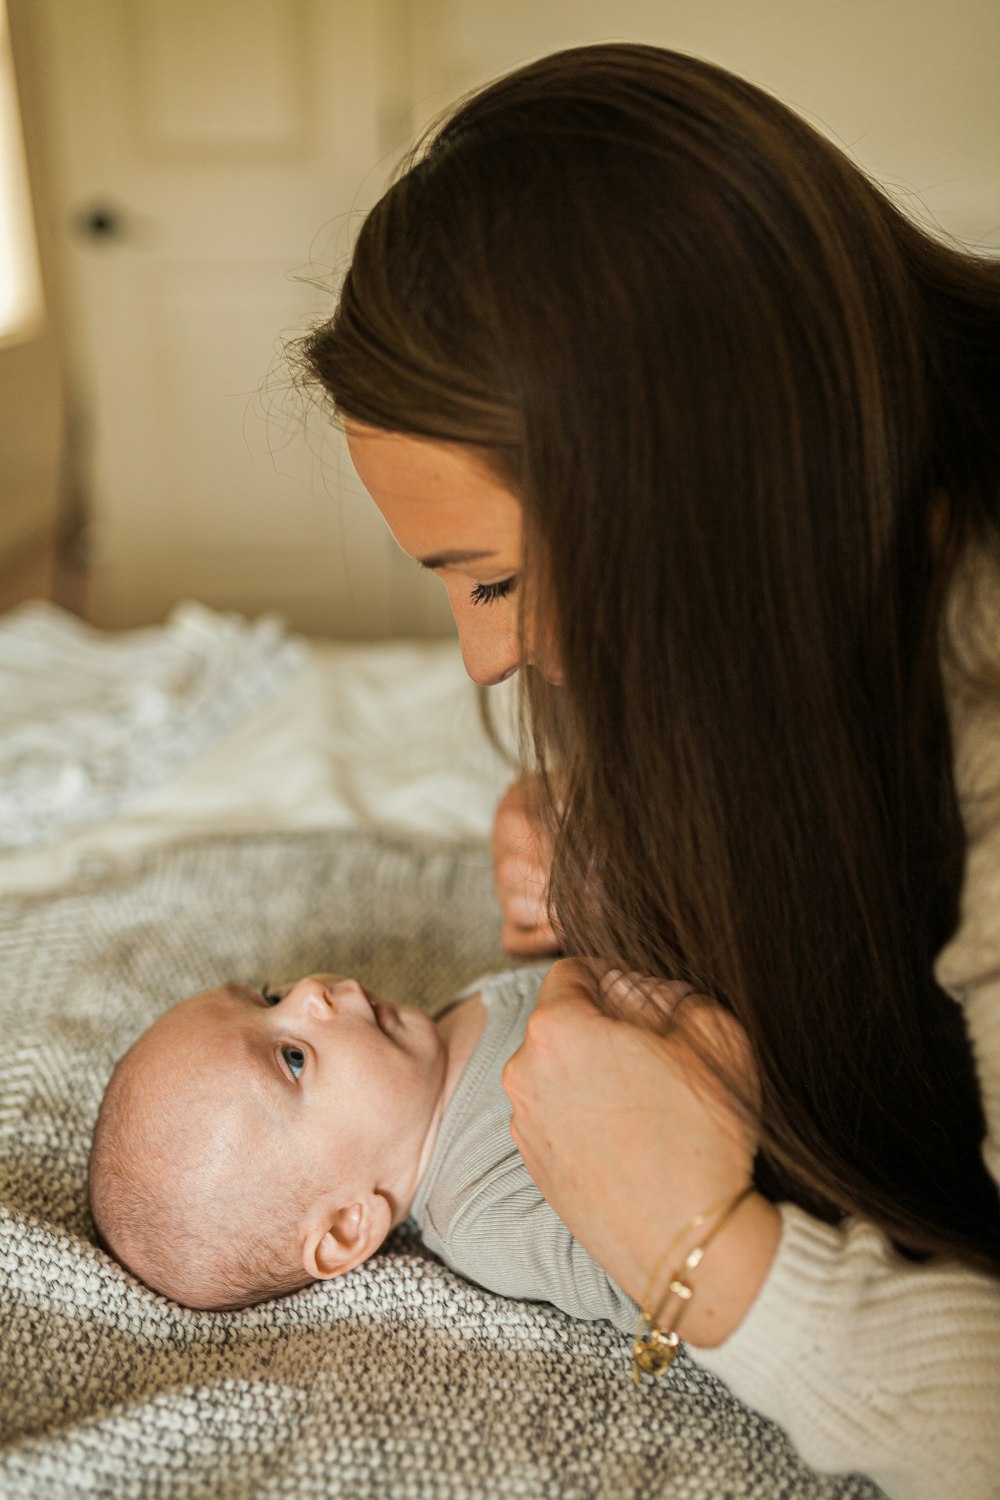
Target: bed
{"x": 213, "y": 799}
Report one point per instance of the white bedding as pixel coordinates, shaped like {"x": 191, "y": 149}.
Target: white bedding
{"x": 384, "y": 736}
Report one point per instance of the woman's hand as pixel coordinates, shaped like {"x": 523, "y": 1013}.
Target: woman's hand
{"x": 629, "y": 1136}
{"x": 522, "y": 860}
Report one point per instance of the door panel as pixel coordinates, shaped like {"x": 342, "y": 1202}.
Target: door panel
{"x": 226, "y": 76}
{"x": 209, "y": 161}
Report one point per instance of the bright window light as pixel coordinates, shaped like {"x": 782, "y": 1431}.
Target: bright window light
{"x": 21, "y": 303}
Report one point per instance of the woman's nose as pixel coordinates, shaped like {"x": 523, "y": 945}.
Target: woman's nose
{"x": 490, "y": 652}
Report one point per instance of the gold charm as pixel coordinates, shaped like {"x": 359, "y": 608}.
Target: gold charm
{"x": 653, "y": 1353}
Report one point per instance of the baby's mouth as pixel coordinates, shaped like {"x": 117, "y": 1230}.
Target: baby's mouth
{"x": 385, "y": 1016}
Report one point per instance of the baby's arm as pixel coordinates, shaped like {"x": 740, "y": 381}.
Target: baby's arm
{"x": 506, "y": 1237}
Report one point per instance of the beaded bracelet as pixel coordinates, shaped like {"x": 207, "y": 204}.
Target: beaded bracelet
{"x": 655, "y": 1348}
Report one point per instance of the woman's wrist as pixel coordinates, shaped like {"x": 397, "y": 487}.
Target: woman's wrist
{"x": 728, "y": 1278}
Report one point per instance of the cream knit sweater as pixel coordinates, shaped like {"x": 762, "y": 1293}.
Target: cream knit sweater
{"x": 869, "y": 1361}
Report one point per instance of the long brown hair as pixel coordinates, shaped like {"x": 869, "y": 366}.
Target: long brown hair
{"x": 753, "y": 413}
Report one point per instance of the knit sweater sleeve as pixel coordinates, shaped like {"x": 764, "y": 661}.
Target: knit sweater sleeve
{"x": 872, "y": 1363}
{"x": 868, "y": 1360}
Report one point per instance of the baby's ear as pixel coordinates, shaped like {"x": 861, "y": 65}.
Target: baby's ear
{"x": 338, "y": 1239}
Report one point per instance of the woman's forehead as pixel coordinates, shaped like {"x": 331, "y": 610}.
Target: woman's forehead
{"x": 436, "y": 497}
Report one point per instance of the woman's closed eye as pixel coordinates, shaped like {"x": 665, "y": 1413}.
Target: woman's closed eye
{"x": 295, "y": 1060}
{"x": 489, "y": 593}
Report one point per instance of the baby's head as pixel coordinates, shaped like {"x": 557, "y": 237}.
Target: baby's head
{"x": 252, "y": 1141}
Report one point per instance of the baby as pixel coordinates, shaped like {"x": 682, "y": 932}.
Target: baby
{"x": 251, "y": 1142}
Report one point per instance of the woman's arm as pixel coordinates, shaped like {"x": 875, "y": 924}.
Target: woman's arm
{"x": 868, "y": 1361}
{"x": 873, "y": 1363}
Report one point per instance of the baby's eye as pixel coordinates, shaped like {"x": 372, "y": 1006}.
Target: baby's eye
{"x": 269, "y": 996}
{"x": 296, "y": 1060}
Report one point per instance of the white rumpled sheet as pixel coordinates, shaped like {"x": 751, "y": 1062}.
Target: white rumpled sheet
{"x": 383, "y": 736}
{"x": 90, "y": 718}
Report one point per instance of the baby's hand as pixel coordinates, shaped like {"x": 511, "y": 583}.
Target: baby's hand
{"x": 522, "y": 861}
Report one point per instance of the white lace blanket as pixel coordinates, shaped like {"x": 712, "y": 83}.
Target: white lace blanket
{"x": 92, "y": 718}
{"x": 397, "y": 1380}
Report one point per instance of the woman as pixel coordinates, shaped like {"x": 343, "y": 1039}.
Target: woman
{"x": 692, "y": 422}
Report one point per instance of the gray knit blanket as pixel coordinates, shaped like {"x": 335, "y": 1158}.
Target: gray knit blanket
{"x": 400, "y": 1379}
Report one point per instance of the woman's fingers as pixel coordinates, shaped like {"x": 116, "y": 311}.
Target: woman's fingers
{"x": 704, "y": 1037}
{"x": 639, "y": 998}
{"x": 568, "y": 991}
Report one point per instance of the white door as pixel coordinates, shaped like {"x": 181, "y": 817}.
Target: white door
{"x": 207, "y": 158}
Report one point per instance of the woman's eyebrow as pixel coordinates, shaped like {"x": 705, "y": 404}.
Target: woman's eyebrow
{"x": 451, "y": 559}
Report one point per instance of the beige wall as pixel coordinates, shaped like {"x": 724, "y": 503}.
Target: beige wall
{"x": 29, "y": 443}
{"x": 30, "y": 430}
{"x": 911, "y": 88}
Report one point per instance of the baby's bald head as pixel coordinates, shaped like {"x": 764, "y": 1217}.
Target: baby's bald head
{"x": 254, "y": 1140}
{"x": 178, "y": 1189}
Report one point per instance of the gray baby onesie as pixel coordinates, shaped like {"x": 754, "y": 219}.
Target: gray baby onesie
{"x": 478, "y": 1209}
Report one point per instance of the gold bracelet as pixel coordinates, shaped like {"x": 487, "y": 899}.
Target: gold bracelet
{"x": 655, "y": 1348}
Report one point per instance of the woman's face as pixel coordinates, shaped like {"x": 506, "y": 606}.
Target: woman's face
{"x": 451, "y": 515}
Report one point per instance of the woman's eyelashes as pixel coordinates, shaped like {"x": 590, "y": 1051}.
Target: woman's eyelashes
{"x": 295, "y": 1061}
{"x": 489, "y": 593}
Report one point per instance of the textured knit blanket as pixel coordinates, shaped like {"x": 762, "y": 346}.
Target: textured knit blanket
{"x": 400, "y": 1379}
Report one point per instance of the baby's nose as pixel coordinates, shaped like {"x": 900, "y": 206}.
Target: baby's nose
{"x": 348, "y": 997}
{"x": 325, "y": 995}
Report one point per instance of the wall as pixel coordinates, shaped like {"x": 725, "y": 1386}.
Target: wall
{"x": 911, "y": 88}
{"x": 30, "y": 440}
